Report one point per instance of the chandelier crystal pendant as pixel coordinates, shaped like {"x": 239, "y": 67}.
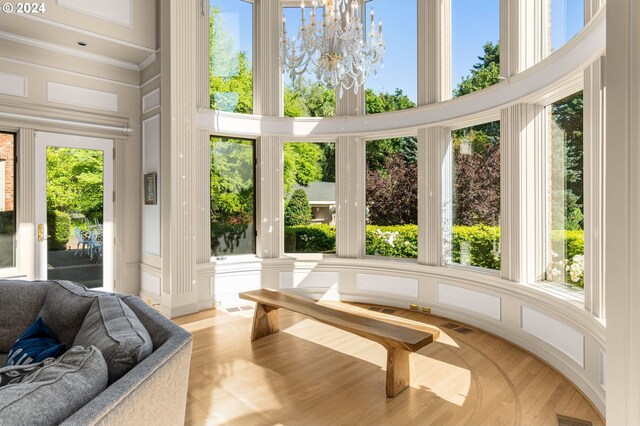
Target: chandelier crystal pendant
{"x": 336, "y": 49}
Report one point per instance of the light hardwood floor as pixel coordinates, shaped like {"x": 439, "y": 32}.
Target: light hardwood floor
{"x": 310, "y": 374}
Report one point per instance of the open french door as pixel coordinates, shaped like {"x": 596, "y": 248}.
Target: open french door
{"x": 74, "y": 209}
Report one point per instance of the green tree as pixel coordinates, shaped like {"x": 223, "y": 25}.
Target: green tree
{"x": 298, "y": 210}
{"x": 303, "y": 164}
{"x": 231, "y": 77}
{"x": 75, "y": 181}
{"x": 484, "y": 73}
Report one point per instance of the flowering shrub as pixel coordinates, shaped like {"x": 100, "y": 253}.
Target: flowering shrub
{"x": 393, "y": 241}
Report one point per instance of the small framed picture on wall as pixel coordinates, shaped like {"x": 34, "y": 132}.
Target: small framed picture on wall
{"x": 150, "y": 189}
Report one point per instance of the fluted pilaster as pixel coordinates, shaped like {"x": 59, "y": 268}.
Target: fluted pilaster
{"x": 434, "y": 51}
{"x": 270, "y": 197}
{"x": 350, "y": 196}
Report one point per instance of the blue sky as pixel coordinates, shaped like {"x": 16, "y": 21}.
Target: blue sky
{"x": 474, "y": 22}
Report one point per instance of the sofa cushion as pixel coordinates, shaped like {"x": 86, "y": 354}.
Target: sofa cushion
{"x": 15, "y": 373}
{"x": 20, "y": 302}
{"x": 112, "y": 327}
{"x": 64, "y": 309}
{"x": 54, "y": 392}
{"x": 36, "y": 344}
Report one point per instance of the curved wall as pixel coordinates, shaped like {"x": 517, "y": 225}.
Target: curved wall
{"x": 548, "y": 322}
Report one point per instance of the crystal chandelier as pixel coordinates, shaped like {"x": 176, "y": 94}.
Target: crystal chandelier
{"x": 336, "y": 49}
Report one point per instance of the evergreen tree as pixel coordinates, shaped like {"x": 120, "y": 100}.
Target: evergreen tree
{"x": 298, "y": 209}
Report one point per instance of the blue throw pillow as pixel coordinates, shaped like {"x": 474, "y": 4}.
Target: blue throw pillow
{"x": 36, "y": 344}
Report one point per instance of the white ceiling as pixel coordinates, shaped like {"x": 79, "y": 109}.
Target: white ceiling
{"x": 119, "y": 32}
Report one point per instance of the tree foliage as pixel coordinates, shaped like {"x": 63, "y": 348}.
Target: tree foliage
{"x": 75, "y": 181}
{"x": 303, "y": 164}
{"x": 297, "y": 210}
{"x": 484, "y": 73}
{"x": 392, "y": 192}
{"x": 231, "y": 81}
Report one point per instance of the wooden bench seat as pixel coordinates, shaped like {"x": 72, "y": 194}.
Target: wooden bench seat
{"x": 399, "y": 340}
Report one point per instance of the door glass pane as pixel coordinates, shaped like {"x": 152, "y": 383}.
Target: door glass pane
{"x": 75, "y": 207}
{"x": 7, "y": 201}
{"x": 232, "y": 197}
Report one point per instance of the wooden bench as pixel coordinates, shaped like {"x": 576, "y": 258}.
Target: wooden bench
{"x": 399, "y": 340}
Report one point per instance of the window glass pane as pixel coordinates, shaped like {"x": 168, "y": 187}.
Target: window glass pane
{"x": 232, "y": 197}
{"x": 395, "y": 85}
{"x": 231, "y": 44}
{"x": 472, "y": 211}
{"x": 305, "y": 96}
{"x": 565, "y": 192}
{"x": 7, "y": 200}
{"x": 475, "y": 56}
{"x": 392, "y": 198}
{"x": 566, "y": 19}
{"x": 310, "y": 197}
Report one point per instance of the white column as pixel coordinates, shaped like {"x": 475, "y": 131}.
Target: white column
{"x": 591, "y": 7}
{"x": 269, "y": 197}
{"x": 350, "y": 196}
{"x": 267, "y": 80}
{"x": 434, "y": 51}
{"x": 622, "y": 210}
{"x": 432, "y": 147}
{"x": 594, "y": 155}
{"x": 183, "y": 30}
{"x": 120, "y": 284}
{"x": 25, "y": 207}
{"x": 522, "y": 33}
{"x": 520, "y": 215}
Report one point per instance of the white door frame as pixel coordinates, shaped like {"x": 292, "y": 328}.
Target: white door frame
{"x": 44, "y": 139}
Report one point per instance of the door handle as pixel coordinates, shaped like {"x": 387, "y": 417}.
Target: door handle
{"x": 41, "y": 235}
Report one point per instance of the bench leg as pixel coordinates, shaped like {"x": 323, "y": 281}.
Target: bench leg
{"x": 397, "y": 371}
{"x": 265, "y": 321}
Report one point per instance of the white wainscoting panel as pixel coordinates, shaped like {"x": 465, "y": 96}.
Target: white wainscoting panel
{"x": 118, "y": 11}
{"x": 561, "y": 336}
{"x": 151, "y": 100}
{"x": 470, "y": 300}
{"x": 396, "y": 286}
{"x": 12, "y": 84}
{"x": 80, "y": 96}
{"x": 151, "y": 164}
{"x": 309, "y": 279}
{"x": 150, "y": 283}
{"x": 236, "y": 283}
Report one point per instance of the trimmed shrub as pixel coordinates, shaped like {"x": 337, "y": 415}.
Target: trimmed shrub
{"x": 298, "y": 209}
{"x": 310, "y": 239}
{"x": 393, "y": 241}
{"x": 480, "y": 243}
{"x": 8, "y": 222}
{"x": 59, "y": 227}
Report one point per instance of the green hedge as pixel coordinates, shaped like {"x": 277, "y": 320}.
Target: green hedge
{"x": 393, "y": 241}
{"x": 59, "y": 228}
{"x": 8, "y": 222}
{"x": 481, "y": 244}
{"x": 319, "y": 238}
{"x": 482, "y": 247}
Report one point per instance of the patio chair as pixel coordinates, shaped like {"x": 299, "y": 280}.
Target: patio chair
{"x": 95, "y": 246}
{"x": 83, "y": 240}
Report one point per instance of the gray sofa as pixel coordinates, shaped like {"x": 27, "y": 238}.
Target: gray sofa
{"x": 153, "y": 392}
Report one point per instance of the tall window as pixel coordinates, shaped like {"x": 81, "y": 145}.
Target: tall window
{"x": 310, "y": 197}
{"x": 7, "y": 200}
{"x": 475, "y": 53}
{"x": 472, "y": 208}
{"x": 395, "y": 85}
{"x": 392, "y": 198}
{"x": 305, "y": 96}
{"x": 232, "y": 196}
{"x": 565, "y": 192}
{"x": 566, "y": 18}
{"x": 231, "y": 45}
